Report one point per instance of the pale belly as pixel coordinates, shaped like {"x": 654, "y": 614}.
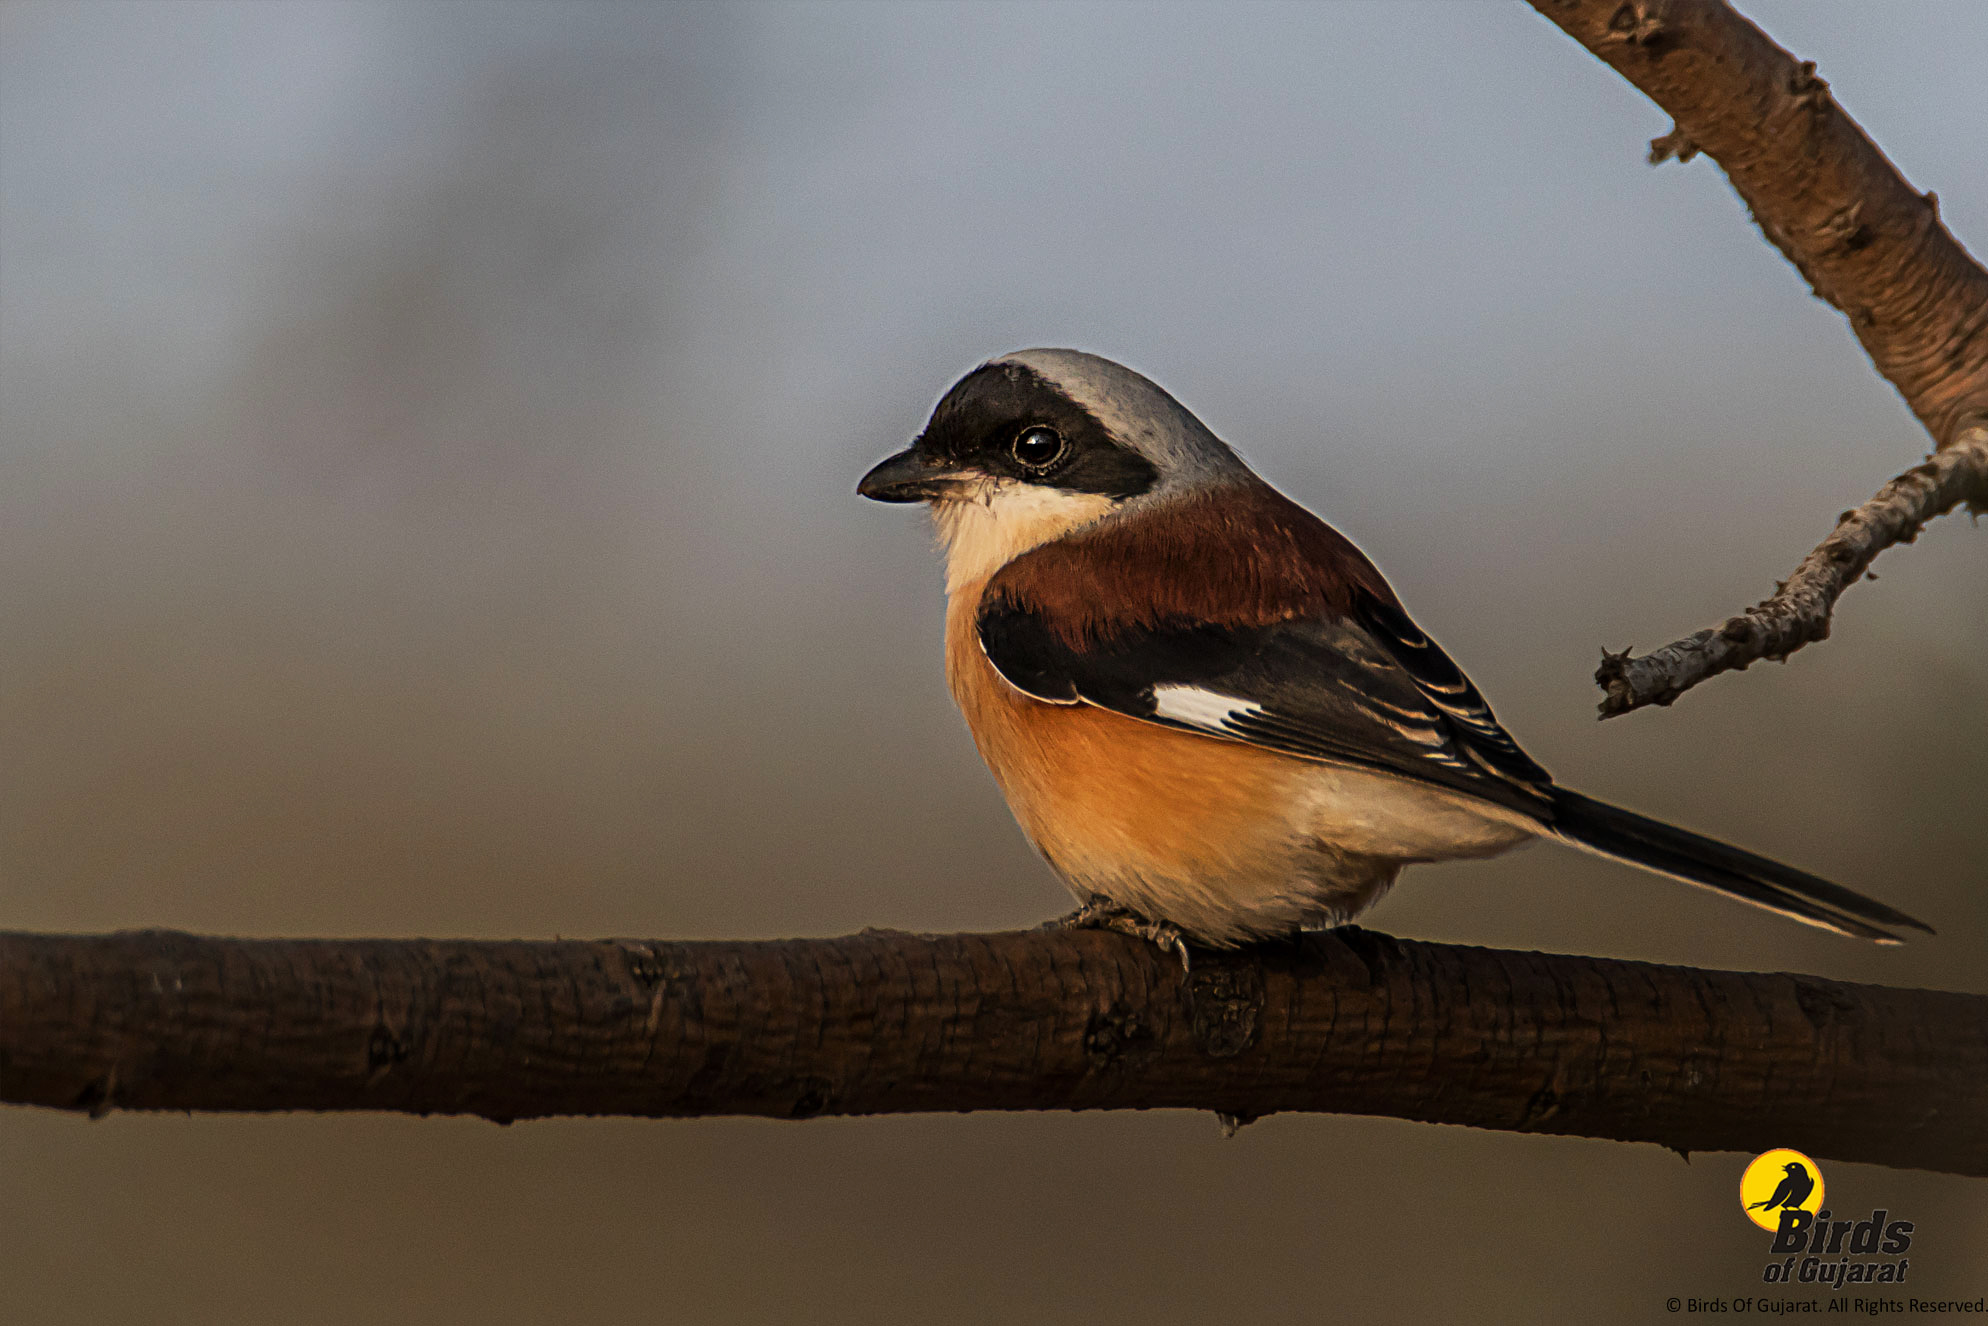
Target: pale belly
{"x": 1226, "y": 841}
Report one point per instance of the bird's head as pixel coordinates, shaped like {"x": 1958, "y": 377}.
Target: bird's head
{"x": 1040, "y": 443}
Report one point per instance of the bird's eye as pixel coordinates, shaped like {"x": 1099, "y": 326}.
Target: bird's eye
{"x": 1037, "y": 447}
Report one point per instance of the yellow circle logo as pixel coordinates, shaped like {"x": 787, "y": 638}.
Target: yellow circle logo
{"x": 1779, "y": 1180}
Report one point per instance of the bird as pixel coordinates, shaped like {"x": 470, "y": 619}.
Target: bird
{"x": 1207, "y": 709}
{"x": 1791, "y": 1192}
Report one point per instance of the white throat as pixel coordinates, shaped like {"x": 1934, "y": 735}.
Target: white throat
{"x": 997, "y": 520}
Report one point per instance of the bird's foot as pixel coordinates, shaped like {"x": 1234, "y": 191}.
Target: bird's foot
{"x": 1097, "y": 913}
{"x": 1101, "y": 913}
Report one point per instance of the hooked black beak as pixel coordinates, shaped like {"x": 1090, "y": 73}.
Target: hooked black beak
{"x": 909, "y": 477}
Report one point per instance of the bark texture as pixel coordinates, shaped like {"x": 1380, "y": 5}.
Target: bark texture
{"x": 1866, "y": 240}
{"x": 883, "y": 1022}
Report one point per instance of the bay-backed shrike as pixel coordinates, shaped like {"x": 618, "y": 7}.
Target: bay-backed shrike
{"x": 1207, "y": 709}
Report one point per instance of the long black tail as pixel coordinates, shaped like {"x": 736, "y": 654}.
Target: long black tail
{"x": 1645, "y": 842}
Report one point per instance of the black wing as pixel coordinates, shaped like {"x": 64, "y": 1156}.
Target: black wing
{"x": 1368, "y": 689}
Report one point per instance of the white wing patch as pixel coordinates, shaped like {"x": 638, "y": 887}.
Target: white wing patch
{"x": 1207, "y": 710}
{"x": 1213, "y": 712}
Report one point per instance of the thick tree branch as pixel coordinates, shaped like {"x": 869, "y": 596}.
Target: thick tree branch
{"x": 1866, "y": 240}
{"x": 1821, "y": 191}
{"x": 1798, "y": 611}
{"x": 881, "y": 1022}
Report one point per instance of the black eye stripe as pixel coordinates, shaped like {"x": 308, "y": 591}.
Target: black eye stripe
{"x": 981, "y": 423}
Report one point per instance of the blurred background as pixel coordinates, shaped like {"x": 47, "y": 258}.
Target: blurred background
{"x": 430, "y": 435}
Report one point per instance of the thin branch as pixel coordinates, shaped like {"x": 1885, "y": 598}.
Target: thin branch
{"x": 1798, "y": 612}
{"x": 882, "y": 1022}
{"x": 1867, "y": 242}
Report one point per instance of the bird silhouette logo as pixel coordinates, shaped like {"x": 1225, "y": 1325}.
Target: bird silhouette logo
{"x": 1790, "y": 1191}
{"x": 1777, "y": 1181}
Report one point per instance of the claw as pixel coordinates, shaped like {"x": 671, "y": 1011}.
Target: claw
{"x": 1101, "y": 913}
{"x": 1170, "y": 939}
